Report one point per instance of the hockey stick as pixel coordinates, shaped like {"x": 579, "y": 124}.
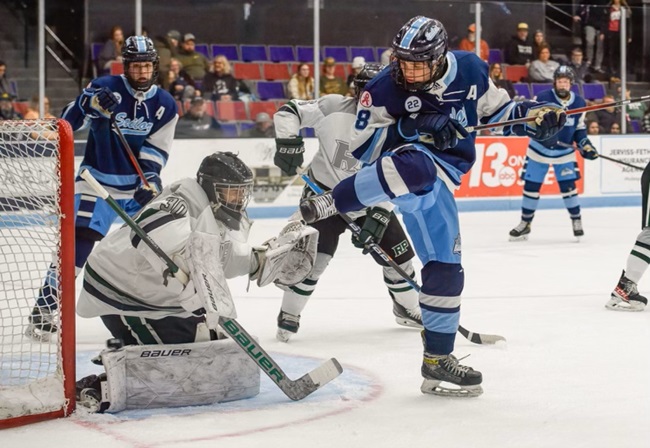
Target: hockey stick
{"x": 579, "y": 110}
{"x": 476, "y": 338}
{"x": 129, "y": 151}
{"x": 611, "y": 159}
{"x": 294, "y": 389}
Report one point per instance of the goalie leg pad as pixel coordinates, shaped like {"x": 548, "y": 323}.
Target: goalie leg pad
{"x": 158, "y": 376}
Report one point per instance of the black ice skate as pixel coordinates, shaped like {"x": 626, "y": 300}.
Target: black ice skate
{"x": 41, "y": 326}
{"x": 439, "y": 369}
{"x": 407, "y": 317}
{"x": 626, "y": 297}
{"x": 578, "y": 231}
{"x": 520, "y": 233}
{"x": 288, "y": 325}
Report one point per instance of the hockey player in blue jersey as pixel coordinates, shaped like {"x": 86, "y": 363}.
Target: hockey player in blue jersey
{"x": 410, "y": 134}
{"x": 557, "y": 152}
{"x": 147, "y": 116}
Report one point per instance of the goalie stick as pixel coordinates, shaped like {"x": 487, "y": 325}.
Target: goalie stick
{"x": 476, "y": 338}
{"x": 294, "y": 389}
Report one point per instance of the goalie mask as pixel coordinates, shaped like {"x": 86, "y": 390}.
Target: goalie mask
{"x": 228, "y": 183}
{"x": 563, "y": 89}
{"x": 140, "y": 49}
{"x": 362, "y": 78}
{"x": 419, "y": 54}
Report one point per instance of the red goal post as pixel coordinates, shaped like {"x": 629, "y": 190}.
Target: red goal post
{"x": 37, "y": 377}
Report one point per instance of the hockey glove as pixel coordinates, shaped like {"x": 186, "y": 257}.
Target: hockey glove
{"x": 98, "y": 102}
{"x": 289, "y": 154}
{"x": 549, "y": 120}
{"x": 143, "y": 194}
{"x": 318, "y": 207}
{"x": 436, "y": 130}
{"x": 373, "y": 229}
{"x": 587, "y": 150}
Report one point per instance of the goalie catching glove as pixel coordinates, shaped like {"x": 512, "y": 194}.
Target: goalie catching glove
{"x": 373, "y": 229}
{"x": 288, "y": 258}
{"x": 289, "y": 154}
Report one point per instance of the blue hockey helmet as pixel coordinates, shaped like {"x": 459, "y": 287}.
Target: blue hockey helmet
{"x": 563, "y": 71}
{"x": 362, "y": 78}
{"x": 140, "y": 49}
{"x": 421, "y": 39}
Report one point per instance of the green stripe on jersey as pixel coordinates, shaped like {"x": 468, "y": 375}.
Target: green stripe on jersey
{"x": 641, "y": 256}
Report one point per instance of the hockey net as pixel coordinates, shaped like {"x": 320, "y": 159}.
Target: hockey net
{"x": 36, "y": 231}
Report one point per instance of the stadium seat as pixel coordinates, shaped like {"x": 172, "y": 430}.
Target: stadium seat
{"x": 275, "y": 71}
{"x": 203, "y": 49}
{"x": 21, "y": 107}
{"x": 577, "y": 89}
{"x": 537, "y": 87}
{"x": 117, "y": 68}
{"x": 230, "y": 51}
{"x": 231, "y": 111}
{"x": 245, "y": 125}
{"x": 380, "y": 51}
{"x": 305, "y": 54}
{"x": 13, "y": 85}
{"x": 95, "y": 49}
{"x": 516, "y": 73}
{"x": 251, "y": 53}
{"x": 268, "y": 90}
{"x": 256, "y": 107}
{"x": 593, "y": 91}
{"x": 495, "y": 56}
{"x": 368, "y": 53}
{"x": 281, "y": 53}
{"x": 308, "y": 132}
{"x": 635, "y": 127}
{"x": 229, "y": 130}
{"x": 246, "y": 70}
{"x": 522, "y": 89}
{"x": 180, "y": 107}
{"x": 340, "y": 54}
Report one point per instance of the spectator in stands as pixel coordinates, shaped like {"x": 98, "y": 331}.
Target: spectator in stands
{"x": 519, "y": 51}
{"x": 579, "y": 66}
{"x": 221, "y": 85}
{"x": 357, "y": 64}
{"x": 7, "y": 111}
{"x": 612, "y": 28}
{"x": 636, "y": 110}
{"x": 329, "y": 82}
{"x": 384, "y": 59}
{"x": 496, "y": 75}
{"x": 606, "y": 117}
{"x": 112, "y": 51}
{"x": 593, "y": 128}
{"x": 539, "y": 42}
{"x": 615, "y": 129}
{"x": 167, "y": 48}
{"x": 196, "y": 65}
{"x": 542, "y": 68}
{"x": 263, "y": 127}
{"x": 301, "y": 84}
{"x": 32, "y": 109}
{"x": 181, "y": 85}
{"x": 469, "y": 43}
{"x": 196, "y": 123}
{"x": 590, "y": 15}
{"x": 5, "y": 83}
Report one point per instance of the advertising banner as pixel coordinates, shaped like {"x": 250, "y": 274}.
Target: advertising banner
{"x": 632, "y": 149}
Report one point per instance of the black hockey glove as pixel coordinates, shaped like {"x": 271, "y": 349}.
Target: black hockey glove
{"x": 436, "y": 130}
{"x": 98, "y": 102}
{"x": 289, "y": 154}
{"x": 373, "y": 229}
{"x": 587, "y": 150}
{"x": 549, "y": 120}
{"x": 143, "y": 194}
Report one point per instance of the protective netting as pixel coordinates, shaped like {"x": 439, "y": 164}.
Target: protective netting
{"x": 30, "y": 369}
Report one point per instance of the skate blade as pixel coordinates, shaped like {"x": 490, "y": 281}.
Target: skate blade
{"x": 283, "y": 335}
{"x": 435, "y": 387}
{"x": 624, "y": 306}
{"x": 404, "y": 322}
{"x": 38, "y": 335}
{"x": 519, "y": 238}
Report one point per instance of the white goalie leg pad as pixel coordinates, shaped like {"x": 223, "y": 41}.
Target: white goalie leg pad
{"x": 206, "y": 272}
{"x": 289, "y": 258}
{"x": 160, "y": 376}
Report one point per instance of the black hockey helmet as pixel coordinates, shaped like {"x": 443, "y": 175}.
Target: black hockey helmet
{"x": 563, "y": 71}
{"x": 140, "y": 49}
{"x": 421, "y": 39}
{"x": 228, "y": 183}
{"x": 362, "y": 78}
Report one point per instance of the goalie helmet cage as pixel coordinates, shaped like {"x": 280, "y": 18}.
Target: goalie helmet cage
{"x": 37, "y": 378}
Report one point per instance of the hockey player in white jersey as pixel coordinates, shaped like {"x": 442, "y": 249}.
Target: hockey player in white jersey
{"x": 202, "y": 224}
{"x": 332, "y": 116}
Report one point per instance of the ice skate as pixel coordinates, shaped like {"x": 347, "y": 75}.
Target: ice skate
{"x": 407, "y": 317}
{"x": 520, "y": 233}
{"x": 577, "y": 228}
{"x": 288, "y": 325}
{"x": 442, "y": 370}
{"x": 41, "y": 326}
{"x": 626, "y": 297}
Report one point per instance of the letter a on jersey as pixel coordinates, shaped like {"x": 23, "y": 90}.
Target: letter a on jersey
{"x": 472, "y": 93}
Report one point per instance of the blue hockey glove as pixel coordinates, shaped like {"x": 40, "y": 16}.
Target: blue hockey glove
{"x": 549, "y": 120}
{"x": 143, "y": 194}
{"x": 98, "y": 102}
{"x": 587, "y": 150}
{"x": 289, "y": 154}
{"x": 373, "y": 229}
{"x": 436, "y": 130}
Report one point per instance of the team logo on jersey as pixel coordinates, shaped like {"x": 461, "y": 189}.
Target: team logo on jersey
{"x": 366, "y": 99}
{"x": 118, "y": 97}
{"x": 459, "y": 115}
{"x": 566, "y": 172}
{"x": 400, "y": 248}
{"x": 570, "y": 121}
{"x": 138, "y": 125}
{"x": 413, "y": 104}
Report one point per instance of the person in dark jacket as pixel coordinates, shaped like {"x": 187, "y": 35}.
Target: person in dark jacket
{"x": 519, "y": 51}
{"x": 220, "y": 84}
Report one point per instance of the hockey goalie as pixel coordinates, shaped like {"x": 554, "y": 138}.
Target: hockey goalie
{"x": 166, "y": 349}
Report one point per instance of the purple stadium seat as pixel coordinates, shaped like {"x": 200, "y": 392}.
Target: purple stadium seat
{"x": 268, "y": 90}
{"x": 230, "y": 51}
{"x": 340, "y": 54}
{"x": 281, "y": 53}
{"x": 538, "y": 87}
{"x": 522, "y": 89}
{"x": 250, "y": 53}
{"x": 368, "y": 53}
{"x": 95, "y": 49}
{"x": 593, "y": 91}
{"x": 495, "y": 56}
{"x": 305, "y": 54}
{"x": 308, "y": 132}
{"x": 229, "y": 130}
{"x": 203, "y": 49}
